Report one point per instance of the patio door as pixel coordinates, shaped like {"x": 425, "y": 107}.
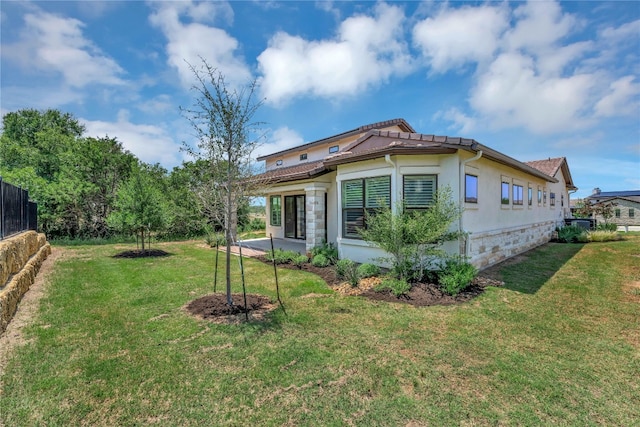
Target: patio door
{"x": 294, "y": 217}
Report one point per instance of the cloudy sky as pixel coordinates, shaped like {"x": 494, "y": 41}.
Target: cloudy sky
{"x": 532, "y": 80}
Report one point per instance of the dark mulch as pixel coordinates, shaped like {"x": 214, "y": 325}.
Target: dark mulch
{"x": 427, "y": 294}
{"x": 328, "y": 274}
{"x": 149, "y": 253}
{"x": 215, "y": 305}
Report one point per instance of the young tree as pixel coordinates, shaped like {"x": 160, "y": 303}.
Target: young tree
{"x": 413, "y": 237}
{"x": 140, "y": 206}
{"x": 222, "y": 118}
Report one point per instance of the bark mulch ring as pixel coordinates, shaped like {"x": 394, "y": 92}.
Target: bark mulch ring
{"x": 214, "y": 307}
{"x": 148, "y": 253}
{"x": 421, "y": 294}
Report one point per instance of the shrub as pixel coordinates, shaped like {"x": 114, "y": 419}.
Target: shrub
{"x": 281, "y": 256}
{"x": 348, "y": 270}
{"x": 456, "y": 275}
{"x": 571, "y": 234}
{"x": 607, "y": 227}
{"x": 368, "y": 270}
{"x": 327, "y": 250}
{"x": 603, "y": 236}
{"x": 398, "y": 287}
{"x": 213, "y": 239}
{"x": 298, "y": 260}
{"x": 320, "y": 261}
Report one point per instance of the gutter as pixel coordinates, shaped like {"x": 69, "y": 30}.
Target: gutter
{"x": 461, "y": 192}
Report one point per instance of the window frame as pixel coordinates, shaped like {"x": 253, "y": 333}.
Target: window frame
{"x": 517, "y": 192}
{"x": 272, "y": 211}
{"x": 303, "y": 156}
{"x": 632, "y": 213}
{"x": 363, "y": 208}
{"x": 505, "y": 191}
{"x": 468, "y": 199}
{"x": 334, "y": 149}
{"x": 433, "y": 177}
{"x": 279, "y": 162}
{"x": 529, "y": 196}
{"x": 617, "y": 212}
{"x": 552, "y": 198}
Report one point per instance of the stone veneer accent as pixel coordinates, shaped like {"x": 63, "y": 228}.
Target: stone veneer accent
{"x": 315, "y": 218}
{"x": 20, "y": 259}
{"x": 492, "y": 247}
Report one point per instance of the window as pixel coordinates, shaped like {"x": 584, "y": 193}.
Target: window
{"x": 275, "y": 209}
{"x": 333, "y": 149}
{"x": 505, "y": 193}
{"x": 562, "y": 200}
{"x": 360, "y": 195}
{"x": 517, "y": 194}
{"x": 530, "y": 196}
{"x": 539, "y": 196}
{"x": 632, "y": 213}
{"x": 419, "y": 191}
{"x": 279, "y": 162}
{"x": 617, "y": 213}
{"x": 303, "y": 156}
{"x": 544, "y": 197}
{"x": 470, "y": 188}
{"x": 552, "y": 199}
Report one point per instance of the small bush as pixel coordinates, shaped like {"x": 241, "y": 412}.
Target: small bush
{"x": 281, "y": 256}
{"x": 603, "y": 236}
{"x": 571, "y": 234}
{"x": 368, "y": 270}
{"x": 327, "y": 250}
{"x": 298, "y": 260}
{"x": 320, "y": 261}
{"x": 348, "y": 270}
{"x": 607, "y": 227}
{"x": 456, "y": 276}
{"x": 213, "y": 239}
{"x": 398, "y": 287}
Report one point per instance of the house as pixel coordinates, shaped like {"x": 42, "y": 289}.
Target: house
{"x": 319, "y": 191}
{"x": 626, "y": 207}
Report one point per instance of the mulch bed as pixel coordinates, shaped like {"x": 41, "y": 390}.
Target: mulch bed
{"x": 148, "y": 253}
{"x": 420, "y": 295}
{"x": 214, "y": 306}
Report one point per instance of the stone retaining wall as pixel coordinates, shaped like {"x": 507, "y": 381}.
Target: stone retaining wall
{"x": 20, "y": 259}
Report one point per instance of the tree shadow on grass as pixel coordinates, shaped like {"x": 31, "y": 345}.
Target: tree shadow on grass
{"x": 147, "y": 253}
{"x": 528, "y": 272}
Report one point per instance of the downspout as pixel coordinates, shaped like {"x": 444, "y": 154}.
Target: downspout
{"x": 461, "y": 192}
{"x": 387, "y": 158}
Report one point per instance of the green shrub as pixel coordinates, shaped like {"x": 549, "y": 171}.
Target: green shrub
{"x": 398, "y": 287}
{"x": 281, "y": 256}
{"x": 213, "y": 239}
{"x": 327, "y": 250}
{"x": 298, "y": 260}
{"x": 607, "y": 227}
{"x": 320, "y": 261}
{"x": 603, "y": 236}
{"x": 571, "y": 234}
{"x": 368, "y": 270}
{"x": 347, "y": 270}
{"x": 456, "y": 275}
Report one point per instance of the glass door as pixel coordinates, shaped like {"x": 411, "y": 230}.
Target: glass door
{"x": 294, "y": 217}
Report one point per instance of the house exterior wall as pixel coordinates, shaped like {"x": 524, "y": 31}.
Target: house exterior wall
{"x": 626, "y": 220}
{"x": 315, "y": 152}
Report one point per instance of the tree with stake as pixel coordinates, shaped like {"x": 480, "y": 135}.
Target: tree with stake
{"x": 222, "y": 118}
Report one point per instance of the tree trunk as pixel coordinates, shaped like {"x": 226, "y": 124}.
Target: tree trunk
{"x": 142, "y": 234}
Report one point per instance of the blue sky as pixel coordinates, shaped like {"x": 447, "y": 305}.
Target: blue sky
{"x": 530, "y": 79}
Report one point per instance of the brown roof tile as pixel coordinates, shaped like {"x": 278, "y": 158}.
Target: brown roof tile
{"x": 294, "y": 173}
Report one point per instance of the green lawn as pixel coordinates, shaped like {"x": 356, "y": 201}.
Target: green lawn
{"x": 112, "y": 345}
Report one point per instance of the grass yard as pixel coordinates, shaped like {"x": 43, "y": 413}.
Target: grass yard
{"x": 112, "y": 345}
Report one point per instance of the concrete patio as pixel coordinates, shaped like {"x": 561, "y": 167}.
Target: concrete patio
{"x": 264, "y": 244}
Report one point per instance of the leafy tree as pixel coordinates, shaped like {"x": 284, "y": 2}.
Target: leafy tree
{"x": 140, "y": 206}
{"x": 412, "y": 237}
{"x": 223, "y": 122}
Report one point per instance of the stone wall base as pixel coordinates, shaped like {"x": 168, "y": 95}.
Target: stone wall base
{"x": 492, "y": 247}
{"x": 20, "y": 259}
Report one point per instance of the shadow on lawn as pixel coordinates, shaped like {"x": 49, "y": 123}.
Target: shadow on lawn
{"x": 528, "y": 272}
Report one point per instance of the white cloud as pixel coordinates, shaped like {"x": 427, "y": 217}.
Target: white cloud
{"x": 462, "y": 122}
{"x": 150, "y": 143}
{"x": 49, "y": 42}
{"x": 620, "y": 100}
{"x": 188, "y": 42}
{"x": 367, "y": 50}
{"x": 281, "y": 139}
{"x": 455, "y": 37}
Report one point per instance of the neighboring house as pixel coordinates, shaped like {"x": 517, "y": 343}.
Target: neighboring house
{"x": 320, "y": 190}
{"x": 626, "y": 207}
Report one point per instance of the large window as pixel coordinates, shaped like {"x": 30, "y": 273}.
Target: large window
{"x": 552, "y": 199}
{"x": 470, "y": 188}
{"x": 517, "y": 194}
{"x": 539, "y": 196}
{"x": 504, "y": 198}
{"x": 275, "y": 209}
{"x": 419, "y": 191}
{"x": 360, "y": 196}
{"x": 530, "y": 196}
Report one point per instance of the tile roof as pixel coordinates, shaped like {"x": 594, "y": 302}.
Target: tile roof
{"x": 402, "y": 123}
{"x": 294, "y": 173}
{"x": 551, "y": 166}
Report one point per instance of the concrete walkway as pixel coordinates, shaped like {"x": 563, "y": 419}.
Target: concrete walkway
{"x": 263, "y": 244}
